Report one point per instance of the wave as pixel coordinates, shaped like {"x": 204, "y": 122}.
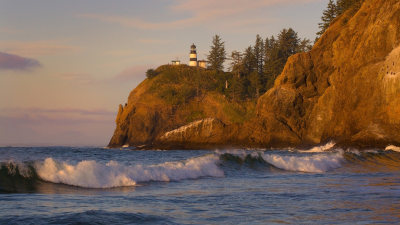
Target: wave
{"x": 28, "y": 176}
{"x": 315, "y": 163}
{"x": 329, "y": 159}
{"x": 312, "y": 164}
{"x": 91, "y": 174}
{"x": 320, "y": 148}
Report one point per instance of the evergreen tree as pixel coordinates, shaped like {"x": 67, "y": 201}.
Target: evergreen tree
{"x": 328, "y": 15}
{"x": 343, "y": 5}
{"x": 305, "y": 45}
{"x": 277, "y": 51}
{"x": 249, "y": 61}
{"x": 259, "y": 54}
{"x": 271, "y": 61}
{"x": 288, "y": 43}
{"x": 150, "y": 73}
{"x": 217, "y": 54}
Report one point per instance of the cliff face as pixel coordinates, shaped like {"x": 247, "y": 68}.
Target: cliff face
{"x": 347, "y": 88}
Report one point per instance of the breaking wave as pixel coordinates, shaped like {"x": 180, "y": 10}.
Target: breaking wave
{"x": 321, "y": 148}
{"x": 91, "y": 174}
{"x": 26, "y": 176}
{"x": 313, "y": 163}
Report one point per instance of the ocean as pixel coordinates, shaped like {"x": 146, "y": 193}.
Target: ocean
{"x": 88, "y": 185}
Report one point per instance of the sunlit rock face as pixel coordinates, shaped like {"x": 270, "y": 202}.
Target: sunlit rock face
{"x": 201, "y": 132}
{"x": 346, "y": 89}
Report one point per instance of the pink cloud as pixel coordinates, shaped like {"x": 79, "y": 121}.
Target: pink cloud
{"x": 37, "y": 48}
{"x": 15, "y": 62}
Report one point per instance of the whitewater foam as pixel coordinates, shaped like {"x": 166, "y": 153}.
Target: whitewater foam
{"x": 91, "y": 174}
{"x": 392, "y": 148}
{"x": 309, "y": 163}
{"x": 318, "y": 162}
{"x": 321, "y": 148}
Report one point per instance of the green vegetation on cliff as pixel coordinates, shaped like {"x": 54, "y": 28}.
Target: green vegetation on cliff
{"x": 179, "y": 86}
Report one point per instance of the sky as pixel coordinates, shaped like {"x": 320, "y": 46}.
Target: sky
{"x": 65, "y": 66}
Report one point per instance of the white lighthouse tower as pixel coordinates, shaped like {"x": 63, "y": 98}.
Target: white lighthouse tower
{"x": 193, "y": 56}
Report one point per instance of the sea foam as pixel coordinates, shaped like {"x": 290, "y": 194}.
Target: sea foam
{"x": 91, "y": 174}
{"x": 392, "y": 148}
{"x": 316, "y": 163}
{"x": 321, "y": 148}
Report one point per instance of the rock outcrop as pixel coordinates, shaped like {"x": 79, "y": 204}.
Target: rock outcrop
{"x": 155, "y": 108}
{"x": 346, "y": 89}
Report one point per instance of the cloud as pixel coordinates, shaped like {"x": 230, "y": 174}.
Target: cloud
{"x": 208, "y": 12}
{"x": 37, "y": 48}
{"x": 15, "y": 62}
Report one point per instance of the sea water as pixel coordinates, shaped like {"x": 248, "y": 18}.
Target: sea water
{"x": 81, "y": 185}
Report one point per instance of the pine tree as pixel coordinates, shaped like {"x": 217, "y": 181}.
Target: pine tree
{"x": 259, "y": 54}
{"x": 217, "y": 54}
{"x": 343, "y": 5}
{"x": 271, "y": 59}
{"x": 249, "y": 61}
{"x": 305, "y": 45}
{"x": 328, "y": 15}
{"x": 277, "y": 51}
{"x": 288, "y": 43}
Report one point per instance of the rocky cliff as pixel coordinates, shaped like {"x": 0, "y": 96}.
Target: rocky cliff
{"x": 346, "y": 89}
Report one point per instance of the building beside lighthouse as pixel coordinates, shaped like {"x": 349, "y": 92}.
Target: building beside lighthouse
{"x": 193, "y": 58}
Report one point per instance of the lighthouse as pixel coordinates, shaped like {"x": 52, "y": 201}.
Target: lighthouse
{"x": 193, "y": 56}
